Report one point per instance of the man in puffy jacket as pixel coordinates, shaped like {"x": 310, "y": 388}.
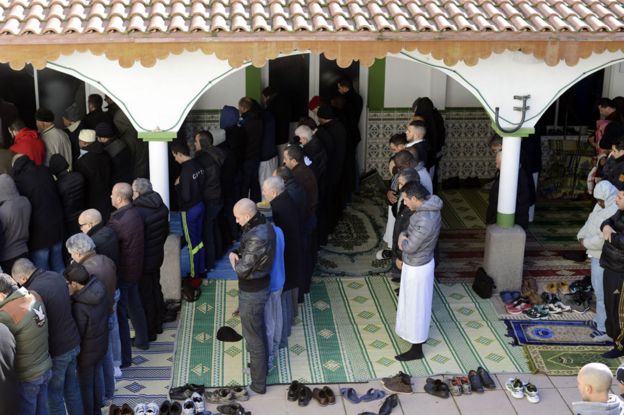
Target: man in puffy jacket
{"x": 27, "y": 141}
{"x": 46, "y": 220}
{"x": 8, "y": 377}
{"x": 63, "y": 337}
{"x": 90, "y": 310}
{"x": 71, "y": 189}
{"x": 155, "y": 217}
{"x": 15, "y": 213}
{"x": 252, "y": 262}
{"x": 128, "y": 225}
{"x": 25, "y": 316}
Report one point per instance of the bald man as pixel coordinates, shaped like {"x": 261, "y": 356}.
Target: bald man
{"x": 104, "y": 237}
{"x": 594, "y": 384}
{"x": 252, "y": 262}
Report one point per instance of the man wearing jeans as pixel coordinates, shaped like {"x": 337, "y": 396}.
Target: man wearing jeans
{"x": 252, "y": 262}
{"x": 63, "y": 339}
{"x": 25, "y": 316}
{"x": 128, "y": 225}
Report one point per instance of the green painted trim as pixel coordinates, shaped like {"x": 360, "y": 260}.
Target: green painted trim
{"x": 376, "y": 84}
{"x": 523, "y": 132}
{"x": 253, "y": 82}
{"x": 157, "y": 135}
{"x": 505, "y": 220}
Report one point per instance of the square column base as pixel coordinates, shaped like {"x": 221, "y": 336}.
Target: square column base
{"x": 170, "y": 278}
{"x": 503, "y": 259}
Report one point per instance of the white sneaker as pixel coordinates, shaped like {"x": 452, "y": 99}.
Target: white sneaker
{"x": 198, "y": 401}
{"x": 140, "y": 409}
{"x": 117, "y": 372}
{"x": 601, "y": 338}
{"x": 152, "y": 409}
{"x": 515, "y": 387}
{"x": 531, "y": 393}
{"x": 189, "y": 407}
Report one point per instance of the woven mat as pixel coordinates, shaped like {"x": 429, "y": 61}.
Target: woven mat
{"x": 345, "y": 334}
{"x": 566, "y": 360}
{"x": 555, "y": 333}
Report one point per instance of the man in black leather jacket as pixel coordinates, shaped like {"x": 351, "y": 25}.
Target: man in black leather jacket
{"x": 252, "y": 263}
{"x": 612, "y": 260}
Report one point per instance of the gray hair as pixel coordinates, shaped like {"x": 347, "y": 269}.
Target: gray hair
{"x": 23, "y": 268}
{"x": 274, "y": 184}
{"x": 410, "y": 175}
{"x": 141, "y": 186}
{"x": 92, "y": 216}
{"x": 123, "y": 190}
{"x": 7, "y": 284}
{"x": 80, "y": 244}
{"x": 419, "y": 129}
{"x": 304, "y": 131}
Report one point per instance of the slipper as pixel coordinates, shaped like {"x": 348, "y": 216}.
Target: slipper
{"x": 350, "y": 394}
{"x": 475, "y": 381}
{"x": 372, "y": 395}
{"x": 437, "y": 388}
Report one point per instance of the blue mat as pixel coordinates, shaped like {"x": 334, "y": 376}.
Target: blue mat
{"x": 551, "y": 332}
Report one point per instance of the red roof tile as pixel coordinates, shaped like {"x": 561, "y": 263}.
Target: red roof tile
{"x": 41, "y": 17}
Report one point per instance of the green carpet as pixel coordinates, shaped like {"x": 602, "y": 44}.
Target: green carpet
{"x": 566, "y": 360}
{"x": 345, "y": 334}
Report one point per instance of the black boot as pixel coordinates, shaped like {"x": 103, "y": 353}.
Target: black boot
{"x": 414, "y": 353}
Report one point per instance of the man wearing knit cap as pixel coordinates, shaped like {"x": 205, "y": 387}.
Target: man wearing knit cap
{"x": 121, "y": 158}
{"x": 73, "y": 125}
{"x": 95, "y": 166}
{"x": 56, "y": 141}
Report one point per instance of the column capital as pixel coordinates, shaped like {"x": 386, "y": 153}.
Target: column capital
{"x": 157, "y": 135}
{"x": 523, "y": 132}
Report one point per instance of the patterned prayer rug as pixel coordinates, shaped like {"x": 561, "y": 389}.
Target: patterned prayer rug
{"x": 345, "y": 333}
{"x": 566, "y": 360}
{"x": 556, "y": 333}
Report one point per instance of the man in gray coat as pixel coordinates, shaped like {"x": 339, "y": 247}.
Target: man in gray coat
{"x": 56, "y": 141}
{"x": 14, "y": 222}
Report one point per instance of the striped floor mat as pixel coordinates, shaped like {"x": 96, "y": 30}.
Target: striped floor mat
{"x": 345, "y": 333}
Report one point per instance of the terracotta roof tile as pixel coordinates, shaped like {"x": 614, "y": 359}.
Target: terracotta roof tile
{"x": 42, "y": 17}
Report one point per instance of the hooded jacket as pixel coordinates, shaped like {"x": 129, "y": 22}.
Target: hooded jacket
{"x": 590, "y": 232}
{"x": 27, "y": 142}
{"x": 95, "y": 167}
{"x": 90, "y": 310}
{"x": 423, "y": 232}
{"x": 234, "y": 135}
{"x": 71, "y": 188}
{"x": 256, "y": 254}
{"x": 26, "y": 317}
{"x": 15, "y": 214}
{"x": 62, "y": 334}
{"x": 211, "y": 160}
{"x": 613, "y": 406}
{"x": 156, "y": 229}
{"x": 46, "y": 219}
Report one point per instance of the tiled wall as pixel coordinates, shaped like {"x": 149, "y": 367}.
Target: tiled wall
{"x": 466, "y": 153}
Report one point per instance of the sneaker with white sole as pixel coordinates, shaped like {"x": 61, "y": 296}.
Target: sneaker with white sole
{"x": 140, "y": 409}
{"x": 152, "y": 409}
{"x": 189, "y": 407}
{"x": 515, "y": 387}
{"x": 117, "y": 372}
{"x": 531, "y": 393}
{"x": 602, "y": 338}
{"x": 198, "y": 401}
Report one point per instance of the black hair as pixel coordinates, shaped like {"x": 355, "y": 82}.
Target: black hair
{"x": 268, "y": 91}
{"x": 95, "y": 100}
{"x": 403, "y": 159}
{"x": 17, "y": 125}
{"x": 295, "y": 153}
{"x": 76, "y": 272}
{"x": 398, "y": 139}
{"x": 495, "y": 140}
{"x": 605, "y": 102}
{"x": 345, "y": 82}
{"x": 180, "y": 146}
{"x": 418, "y": 123}
{"x": 619, "y": 143}
{"x": 411, "y": 175}
{"x": 415, "y": 189}
{"x": 205, "y": 139}
{"x": 308, "y": 121}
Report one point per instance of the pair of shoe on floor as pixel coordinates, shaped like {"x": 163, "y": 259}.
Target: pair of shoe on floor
{"x": 126, "y": 409}
{"x": 181, "y": 393}
{"x": 399, "y": 383}
{"x": 387, "y": 406}
{"x": 227, "y": 395}
{"x": 520, "y": 390}
{"x": 300, "y": 393}
{"x": 371, "y": 395}
{"x": 152, "y": 408}
{"x": 476, "y": 381}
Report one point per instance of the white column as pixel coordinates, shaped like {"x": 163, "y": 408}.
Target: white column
{"x": 159, "y": 168}
{"x": 508, "y": 187}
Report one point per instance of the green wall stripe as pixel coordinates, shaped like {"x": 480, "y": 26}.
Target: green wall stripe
{"x": 376, "y": 84}
{"x": 157, "y": 136}
{"x": 505, "y": 220}
{"x": 253, "y": 82}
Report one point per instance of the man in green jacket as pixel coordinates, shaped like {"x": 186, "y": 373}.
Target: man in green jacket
{"x": 25, "y": 316}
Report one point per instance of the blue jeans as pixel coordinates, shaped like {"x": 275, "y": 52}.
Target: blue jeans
{"x": 113, "y": 336}
{"x": 273, "y": 321}
{"x": 193, "y": 228}
{"x": 251, "y": 309}
{"x": 129, "y": 305}
{"x": 90, "y": 388}
{"x": 63, "y": 388}
{"x": 597, "y": 276}
{"x": 107, "y": 373}
{"x": 289, "y": 302}
{"x": 34, "y": 395}
{"x": 49, "y": 258}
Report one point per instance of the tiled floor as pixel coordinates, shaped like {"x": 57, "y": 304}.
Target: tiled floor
{"x": 557, "y": 394}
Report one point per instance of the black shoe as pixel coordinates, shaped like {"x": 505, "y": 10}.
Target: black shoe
{"x": 475, "y": 381}
{"x": 305, "y": 395}
{"x": 152, "y": 338}
{"x": 486, "y": 379}
{"x": 613, "y": 353}
{"x": 389, "y": 404}
{"x": 397, "y": 290}
{"x": 176, "y": 409}
{"x": 140, "y": 347}
{"x": 293, "y": 390}
{"x": 258, "y": 391}
{"x": 396, "y": 279}
{"x": 165, "y": 408}
{"x": 414, "y": 353}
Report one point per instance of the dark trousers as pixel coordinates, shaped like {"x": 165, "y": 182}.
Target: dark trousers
{"x": 211, "y": 234}
{"x": 193, "y": 227}
{"x": 129, "y": 305}
{"x": 250, "y": 185}
{"x": 153, "y": 302}
{"x": 91, "y": 388}
{"x": 613, "y": 284}
{"x": 251, "y": 309}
